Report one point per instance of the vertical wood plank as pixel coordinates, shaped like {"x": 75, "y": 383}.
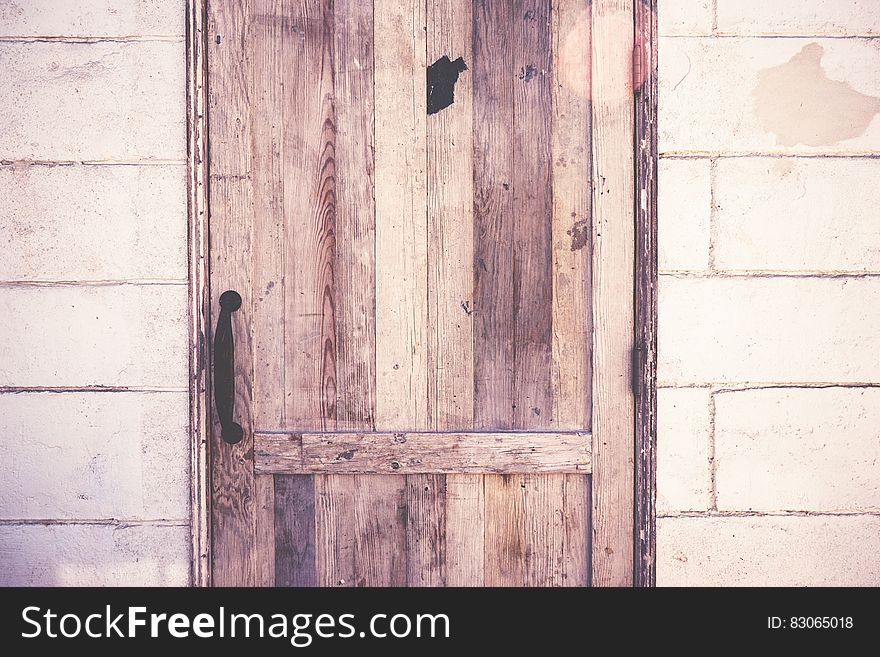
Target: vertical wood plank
{"x": 402, "y": 272}
{"x": 231, "y": 216}
{"x": 401, "y": 215}
{"x": 544, "y": 545}
{"x": 646, "y": 293}
{"x": 493, "y": 217}
{"x": 493, "y": 79}
{"x": 572, "y": 220}
{"x": 295, "y": 530}
{"x": 265, "y": 530}
{"x": 450, "y": 186}
{"x": 426, "y": 530}
{"x": 450, "y": 149}
{"x": 532, "y": 287}
{"x": 267, "y": 75}
{"x": 613, "y": 243}
{"x": 505, "y": 530}
{"x": 355, "y": 224}
{"x": 465, "y": 530}
{"x": 308, "y": 158}
{"x": 339, "y": 537}
{"x": 572, "y": 264}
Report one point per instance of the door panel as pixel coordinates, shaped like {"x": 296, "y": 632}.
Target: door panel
{"x": 414, "y": 351}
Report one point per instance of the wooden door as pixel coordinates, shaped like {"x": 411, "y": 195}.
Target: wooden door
{"x": 427, "y": 209}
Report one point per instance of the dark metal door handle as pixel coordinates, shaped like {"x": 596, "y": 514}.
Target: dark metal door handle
{"x": 224, "y": 368}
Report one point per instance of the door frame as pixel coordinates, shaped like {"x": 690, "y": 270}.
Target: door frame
{"x": 644, "y": 352}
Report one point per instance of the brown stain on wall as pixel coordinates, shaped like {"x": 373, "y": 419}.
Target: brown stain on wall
{"x": 800, "y": 104}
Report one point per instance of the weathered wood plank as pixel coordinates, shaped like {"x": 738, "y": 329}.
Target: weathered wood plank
{"x": 295, "y": 530}
{"x": 264, "y": 503}
{"x": 423, "y": 453}
{"x": 613, "y": 243}
{"x": 532, "y": 212}
{"x": 493, "y": 80}
{"x": 401, "y": 208}
{"x": 361, "y": 529}
{"x": 572, "y": 220}
{"x": 355, "y": 215}
{"x": 465, "y": 530}
{"x": 231, "y": 210}
{"x": 426, "y": 530}
{"x": 439, "y": 528}
{"x": 450, "y": 150}
{"x": 267, "y": 74}
{"x": 572, "y": 265}
{"x": 337, "y": 497}
{"x": 505, "y": 530}
{"x": 308, "y": 158}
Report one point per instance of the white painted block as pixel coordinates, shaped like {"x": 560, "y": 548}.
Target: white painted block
{"x": 798, "y": 214}
{"x": 682, "y": 449}
{"x": 72, "y": 223}
{"x": 676, "y": 17}
{"x": 684, "y": 203}
{"x": 93, "y": 101}
{"x": 92, "y": 18}
{"x": 807, "y": 17}
{"x": 753, "y": 95}
{"x": 95, "y": 455}
{"x": 119, "y": 335}
{"x": 798, "y": 449}
{"x": 769, "y": 551}
{"x": 768, "y": 330}
{"x": 94, "y": 555}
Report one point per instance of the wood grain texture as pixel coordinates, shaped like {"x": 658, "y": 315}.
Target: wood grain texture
{"x": 505, "y": 549}
{"x": 401, "y": 209}
{"x": 572, "y": 217}
{"x": 571, "y": 268}
{"x": 426, "y": 530}
{"x": 338, "y": 535}
{"x": 201, "y": 411}
{"x": 355, "y": 215}
{"x": 264, "y": 511}
{"x": 308, "y": 157}
{"x": 450, "y": 212}
{"x": 422, "y": 453}
{"x": 231, "y": 215}
{"x": 295, "y": 530}
{"x": 267, "y": 73}
{"x": 439, "y": 538}
{"x": 465, "y": 530}
{"x": 532, "y": 211}
{"x": 361, "y": 526}
{"x": 646, "y": 294}
{"x": 613, "y": 243}
{"x": 493, "y": 209}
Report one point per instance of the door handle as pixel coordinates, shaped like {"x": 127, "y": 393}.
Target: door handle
{"x": 224, "y": 368}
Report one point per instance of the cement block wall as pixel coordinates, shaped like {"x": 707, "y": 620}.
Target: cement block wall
{"x": 769, "y": 407}
{"x": 93, "y": 289}
{"x": 770, "y": 281}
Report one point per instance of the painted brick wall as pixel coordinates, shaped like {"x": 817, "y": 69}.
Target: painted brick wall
{"x": 93, "y": 376}
{"x": 769, "y": 408}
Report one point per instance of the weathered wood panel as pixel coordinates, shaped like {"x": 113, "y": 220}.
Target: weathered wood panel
{"x": 231, "y": 216}
{"x": 422, "y": 453}
{"x": 613, "y": 265}
{"x": 309, "y": 169}
{"x": 295, "y": 530}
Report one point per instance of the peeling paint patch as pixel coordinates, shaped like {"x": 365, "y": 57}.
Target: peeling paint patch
{"x": 579, "y": 234}
{"x": 441, "y": 78}
{"x": 800, "y": 104}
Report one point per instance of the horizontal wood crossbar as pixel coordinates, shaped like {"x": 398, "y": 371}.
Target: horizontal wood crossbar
{"x": 422, "y": 453}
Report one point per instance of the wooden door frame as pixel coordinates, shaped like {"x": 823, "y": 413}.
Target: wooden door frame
{"x": 644, "y": 354}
